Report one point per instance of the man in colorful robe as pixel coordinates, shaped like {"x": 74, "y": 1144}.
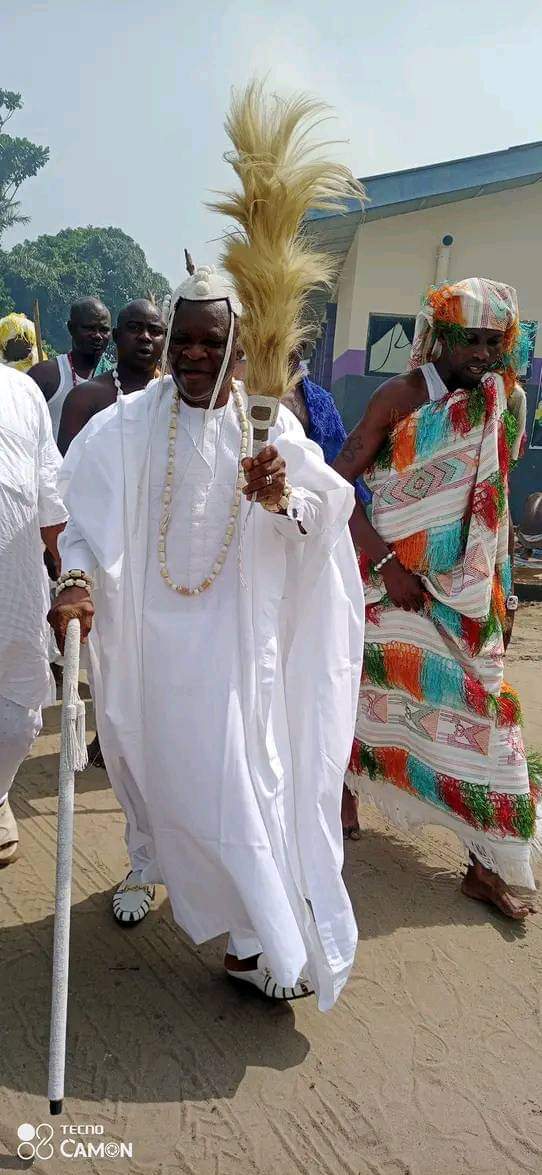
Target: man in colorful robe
{"x": 438, "y": 739}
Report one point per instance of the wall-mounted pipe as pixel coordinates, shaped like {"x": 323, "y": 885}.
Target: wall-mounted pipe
{"x": 442, "y": 267}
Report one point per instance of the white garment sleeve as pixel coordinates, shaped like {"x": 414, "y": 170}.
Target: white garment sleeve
{"x": 302, "y": 512}
{"x": 304, "y": 505}
{"x": 317, "y": 492}
{"x": 75, "y": 551}
{"x": 51, "y": 510}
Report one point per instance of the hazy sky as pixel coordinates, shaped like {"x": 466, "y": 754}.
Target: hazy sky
{"x": 130, "y": 96}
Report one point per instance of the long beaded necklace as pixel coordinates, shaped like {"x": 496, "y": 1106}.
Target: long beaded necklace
{"x": 116, "y": 381}
{"x": 165, "y": 516}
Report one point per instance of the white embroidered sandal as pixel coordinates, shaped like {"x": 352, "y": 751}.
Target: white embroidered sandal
{"x": 262, "y": 978}
{"x": 9, "y": 836}
{"x": 132, "y": 900}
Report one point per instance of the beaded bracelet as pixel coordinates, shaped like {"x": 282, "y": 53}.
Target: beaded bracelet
{"x": 386, "y": 559}
{"x": 76, "y": 578}
{"x": 282, "y": 504}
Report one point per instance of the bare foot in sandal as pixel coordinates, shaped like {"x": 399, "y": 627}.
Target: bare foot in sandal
{"x": 482, "y": 885}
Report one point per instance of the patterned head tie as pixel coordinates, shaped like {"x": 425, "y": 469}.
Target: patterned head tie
{"x": 449, "y": 310}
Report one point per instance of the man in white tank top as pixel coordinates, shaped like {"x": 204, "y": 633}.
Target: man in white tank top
{"x": 90, "y": 329}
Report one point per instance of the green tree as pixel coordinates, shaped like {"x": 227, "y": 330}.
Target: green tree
{"x": 6, "y": 301}
{"x": 19, "y": 160}
{"x": 103, "y": 262}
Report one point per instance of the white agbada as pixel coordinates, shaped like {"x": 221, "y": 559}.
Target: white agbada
{"x": 29, "y": 499}
{"x": 226, "y": 720}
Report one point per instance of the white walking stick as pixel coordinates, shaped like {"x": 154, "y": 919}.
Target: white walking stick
{"x": 73, "y": 757}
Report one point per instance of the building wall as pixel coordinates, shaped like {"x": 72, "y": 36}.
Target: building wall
{"x": 392, "y": 261}
{"x": 346, "y": 297}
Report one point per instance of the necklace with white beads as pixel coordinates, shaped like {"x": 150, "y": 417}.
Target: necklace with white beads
{"x": 116, "y": 381}
{"x": 165, "y": 516}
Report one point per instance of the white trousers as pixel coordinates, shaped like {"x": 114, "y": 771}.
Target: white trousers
{"x": 243, "y": 944}
{"x": 19, "y": 728}
{"x": 138, "y": 834}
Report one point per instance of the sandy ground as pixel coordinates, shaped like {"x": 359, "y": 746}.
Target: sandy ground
{"x": 431, "y": 1064}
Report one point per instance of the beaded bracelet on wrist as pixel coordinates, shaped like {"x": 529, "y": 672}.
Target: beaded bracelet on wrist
{"x": 75, "y": 578}
{"x": 282, "y": 504}
{"x": 386, "y": 559}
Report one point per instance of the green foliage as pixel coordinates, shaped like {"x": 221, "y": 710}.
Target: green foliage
{"x": 19, "y": 160}
{"x": 76, "y": 263}
{"x": 6, "y": 301}
{"x": 10, "y": 102}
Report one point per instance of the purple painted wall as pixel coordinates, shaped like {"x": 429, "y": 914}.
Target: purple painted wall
{"x": 349, "y": 363}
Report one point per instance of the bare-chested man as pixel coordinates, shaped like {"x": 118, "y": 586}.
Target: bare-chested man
{"x": 139, "y": 337}
{"x": 90, "y": 329}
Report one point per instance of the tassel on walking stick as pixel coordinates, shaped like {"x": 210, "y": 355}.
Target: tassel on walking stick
{"x": 73, "y": 757}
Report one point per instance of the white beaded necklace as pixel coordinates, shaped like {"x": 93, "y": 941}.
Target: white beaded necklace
{"x": 116, "y": 381}
{"x": 165, "y": 516}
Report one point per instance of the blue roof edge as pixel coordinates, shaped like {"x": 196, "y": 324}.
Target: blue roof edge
{"x": 519, "y": 165}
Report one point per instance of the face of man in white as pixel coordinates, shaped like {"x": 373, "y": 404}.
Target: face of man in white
{"x": 196, "y": 352}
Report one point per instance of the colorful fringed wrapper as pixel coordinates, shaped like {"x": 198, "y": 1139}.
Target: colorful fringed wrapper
{"x": 438, "y": 548}
{"x": 477, "y": 805}
{"x": 438, "y": 680}
{"x": 436, "y": 724}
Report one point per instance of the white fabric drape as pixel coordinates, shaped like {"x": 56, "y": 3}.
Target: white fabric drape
{"x": 29, "y": 498}
{"x": 226, "y": 720}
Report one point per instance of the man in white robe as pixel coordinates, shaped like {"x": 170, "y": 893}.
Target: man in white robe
{"x": 226, "y": 716}
{"x": 29, "y": 503}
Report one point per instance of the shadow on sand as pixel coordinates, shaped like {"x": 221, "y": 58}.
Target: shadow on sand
{"x": 392, "y": 887}
{"x": 151, "y": 1018}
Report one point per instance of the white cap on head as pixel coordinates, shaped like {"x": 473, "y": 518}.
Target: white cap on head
{"x": 206, "y": 284}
